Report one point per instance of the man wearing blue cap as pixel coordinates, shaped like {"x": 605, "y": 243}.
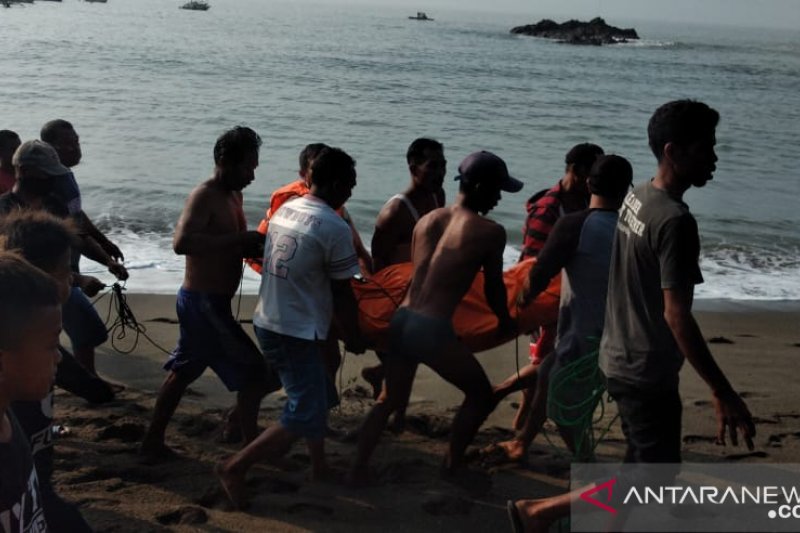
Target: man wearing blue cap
{"x": 450, "y": 245}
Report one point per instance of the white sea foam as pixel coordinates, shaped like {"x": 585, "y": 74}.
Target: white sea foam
{"x": 731, "y": 274}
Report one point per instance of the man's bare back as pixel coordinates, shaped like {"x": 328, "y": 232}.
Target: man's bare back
{"x": 449, "y": 247}
{"x": 210, "y": 232}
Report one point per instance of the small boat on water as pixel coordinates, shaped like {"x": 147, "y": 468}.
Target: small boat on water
{"x": 420, "y": 16}
{"x": 96, "y": 1}
{"x": 196, "y": 5}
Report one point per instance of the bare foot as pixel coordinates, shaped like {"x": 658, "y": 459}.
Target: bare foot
{"x": 374, "y": 376}
{"x": 233, "y": 486}
{"x": 513, "y": 451}
{"x": 532, "y": 514}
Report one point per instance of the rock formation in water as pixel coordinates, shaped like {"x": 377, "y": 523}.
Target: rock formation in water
{"x": 594, "y": 32}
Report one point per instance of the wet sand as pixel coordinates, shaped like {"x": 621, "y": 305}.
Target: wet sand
{"x": 98, "y": 468}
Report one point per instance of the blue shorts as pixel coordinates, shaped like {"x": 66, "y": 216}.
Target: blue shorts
{"x": 82, "y": 324}
{"x": 211, "y": 337}
{"x": 301, "y": 368}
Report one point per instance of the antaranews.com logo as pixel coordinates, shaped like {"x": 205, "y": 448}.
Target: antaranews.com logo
{"x": 687, "y": 497}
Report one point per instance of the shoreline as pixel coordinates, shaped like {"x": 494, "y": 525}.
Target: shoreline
{"x": 98, "y": 468}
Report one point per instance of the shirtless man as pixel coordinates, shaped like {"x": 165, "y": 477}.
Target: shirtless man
{"x": 391, "y": 243}
{"x": 450, "y": 245}
{"x": 212, "y": 234}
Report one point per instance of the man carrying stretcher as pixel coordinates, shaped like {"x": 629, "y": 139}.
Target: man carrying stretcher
{"x": 450, "y": 246}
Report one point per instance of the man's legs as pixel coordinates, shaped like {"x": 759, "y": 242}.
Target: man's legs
{"x": 273, "y": 443}
{"x": 168, "y": 399}
{"x": 397, "y": 389}
{"x": 457, "y": 365}
{"x": 84, "y": 327}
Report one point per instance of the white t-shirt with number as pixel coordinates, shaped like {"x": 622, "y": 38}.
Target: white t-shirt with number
{"x": 307, "y": 246}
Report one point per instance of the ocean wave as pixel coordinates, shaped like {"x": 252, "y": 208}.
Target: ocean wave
{"x": 731, "y": 272}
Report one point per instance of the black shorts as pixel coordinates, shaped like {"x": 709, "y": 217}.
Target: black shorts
{"x": 651, "y": 422}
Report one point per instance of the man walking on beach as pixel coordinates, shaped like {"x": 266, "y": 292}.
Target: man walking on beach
{"x": 212, "y": 234}
{"x": 580, "y": 244}
{"x": 391, "y": 242}
{"x": 649, "y": 328}
{"x": 545, "y": 208}
{"x": 81, "y": 322}
{"x": 449, "y": 246}
{"x": 309, "y": 260}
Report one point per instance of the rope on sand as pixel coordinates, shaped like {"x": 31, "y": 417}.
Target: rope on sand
{"x": 574, "y": 394}
{"x": 124, "y": 322}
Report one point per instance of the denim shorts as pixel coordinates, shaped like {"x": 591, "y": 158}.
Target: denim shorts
{"x": 300, "y": 366}
{"x": 211, "y": 337}
{"x": 82, "y": 324}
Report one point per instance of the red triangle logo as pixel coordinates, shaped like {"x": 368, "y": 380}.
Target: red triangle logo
{"x": 587, "y": 495}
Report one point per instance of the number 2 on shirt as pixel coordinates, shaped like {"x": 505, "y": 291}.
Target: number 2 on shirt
{"x": 282, "y": 249}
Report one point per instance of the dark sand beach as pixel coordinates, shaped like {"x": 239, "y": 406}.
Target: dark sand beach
{"x": 98, "y": 468}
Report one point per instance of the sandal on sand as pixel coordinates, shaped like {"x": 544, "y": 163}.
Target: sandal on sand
{"x": 513, "y": 516}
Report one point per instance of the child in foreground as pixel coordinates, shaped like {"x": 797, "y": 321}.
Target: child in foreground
{"x": 30, "y": 324}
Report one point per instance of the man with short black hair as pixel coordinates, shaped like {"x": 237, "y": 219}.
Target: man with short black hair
{"x": 649, "y": 327}
{"x": 449, "y": 247}
{"x": 309, "y": 260}
{"x": 81, "y": 321}
{"x": 212, "y": 234}
{"x": 391, "y": 242}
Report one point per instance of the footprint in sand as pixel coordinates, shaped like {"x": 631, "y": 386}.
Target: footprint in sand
{"x": 187, "y": 515}
{"x": 306, "y": 507}
{"x": 720, "y": 340}
{"x": 126, "y": 432}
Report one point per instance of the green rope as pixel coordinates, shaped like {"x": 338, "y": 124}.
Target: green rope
{"x": 575, "y": 394}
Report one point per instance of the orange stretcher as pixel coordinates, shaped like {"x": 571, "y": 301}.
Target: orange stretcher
{"x": 474, "y": 323}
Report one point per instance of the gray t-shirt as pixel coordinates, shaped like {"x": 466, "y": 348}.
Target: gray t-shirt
{"x": 656, "y": 247}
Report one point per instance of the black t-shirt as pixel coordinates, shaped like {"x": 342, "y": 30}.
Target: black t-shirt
{"x": 20, "y": 499}
{"x": 656, "y": 247}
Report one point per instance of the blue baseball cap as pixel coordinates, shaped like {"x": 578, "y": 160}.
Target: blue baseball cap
{"x": 485, "y": 167}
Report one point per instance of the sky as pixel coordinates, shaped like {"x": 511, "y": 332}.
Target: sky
{"x": 748, "y": 13}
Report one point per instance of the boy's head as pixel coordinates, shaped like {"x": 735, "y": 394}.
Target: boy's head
{"x": 43, "y": 240}
{"x": 611, "y": 177}
{"x": 682, "y": 135}
{"x": 333, "y": 176}
{"x": 30, "y": 324}
{"x": 427, "y": 164}
{"x": 307, "y": 157}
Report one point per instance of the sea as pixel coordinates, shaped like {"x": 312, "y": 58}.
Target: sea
{"x": 149, "y": 87}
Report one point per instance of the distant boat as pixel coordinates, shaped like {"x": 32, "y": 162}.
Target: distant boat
{"x": 196, "y": 5}
{"x": 420, "y": 16}
{"x": 96, "y": 1}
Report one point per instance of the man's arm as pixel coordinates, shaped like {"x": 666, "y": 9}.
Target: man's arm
{"x": 364, "y": 258}
{"x": 190, "y": 236}
{"x": 346, "y": 312}
{"x": 731, "y": 411}
{"x": 494, "y": 286}
{"x": 91, "y": 249}
{"x": 386, "y": 238}
{"x": 558, "y": 249}
{"x": 90, "y": 229}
